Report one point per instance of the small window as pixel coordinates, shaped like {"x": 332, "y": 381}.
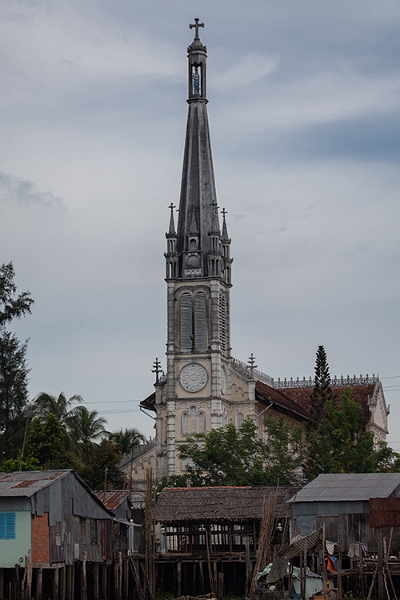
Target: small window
{"x": 7, "y": 526}
{"x": 94, "y": 532}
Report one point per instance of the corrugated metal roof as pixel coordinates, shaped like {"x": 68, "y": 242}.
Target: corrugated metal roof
{"x": 112, "y": 498}
{"x": 351, "y": 487}
{"x": 27, "y": 483}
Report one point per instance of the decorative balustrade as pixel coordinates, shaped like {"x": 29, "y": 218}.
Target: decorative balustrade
{"x": 335, "y": 381}
{"x": 244, "y": 369}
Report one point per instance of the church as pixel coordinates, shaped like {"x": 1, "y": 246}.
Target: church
{"x": 205, "y": 387}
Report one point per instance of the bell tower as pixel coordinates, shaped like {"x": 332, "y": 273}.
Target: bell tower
{"x": 198, "y": 276}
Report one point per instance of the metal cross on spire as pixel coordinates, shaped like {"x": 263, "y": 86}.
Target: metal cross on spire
{"x": 224, "y": 212}
{"x": 196, "y": 26}
{"x": 172, "y": 206}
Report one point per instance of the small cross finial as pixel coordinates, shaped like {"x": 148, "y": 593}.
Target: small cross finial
{"x": 196, "y": 26}
{"x": 224, "y": 212}
{"x": 157, "y": 369}
{"x": 252, "y": 364}
{"x": 172, "y": 206}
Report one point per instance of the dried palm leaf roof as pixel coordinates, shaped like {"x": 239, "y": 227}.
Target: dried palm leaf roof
{"x": 213, "y": 504}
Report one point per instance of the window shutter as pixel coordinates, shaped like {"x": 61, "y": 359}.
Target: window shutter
{"x": 222, "y": 322}
{"x": 185, "y": 424}
{"x": 200, "y": 322}
{"x": 186, "y": 322}
{"x": 7, "y": 526}
{"x": 193, "y": 419}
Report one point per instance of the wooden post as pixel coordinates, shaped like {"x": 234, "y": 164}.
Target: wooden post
{"x": 221, "y": 590}
{"x": 104, "y": 581}
{"x": 96, "y": 593}
{"x": 70, "y": 587}
{"x": 55, "y": 584}
{"x": 179, "y": 579}
{"x": 339, "y": 574}
{"x": 126, "y": 580}
{"x": 202, "y": 582}
{"x": 120, "y": 575}
{"x": 381, "y": 591}
{"x": 84, "y": 577}
{"x": 215, "y": 575}
{"x": 39, "y": 584}
{"x": 63, "y": 574}
{"x": 248, "y": 565}
{"x": 1, "y": 583}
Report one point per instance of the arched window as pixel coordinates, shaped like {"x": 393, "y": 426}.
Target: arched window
{"x": 202, "y": 422}
{"x": 239, "y": 420}
{"x": 185, "y": 424}
{"x": 193, "y": 419}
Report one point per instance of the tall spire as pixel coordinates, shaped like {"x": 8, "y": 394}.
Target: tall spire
{"x": 198, "y": 234}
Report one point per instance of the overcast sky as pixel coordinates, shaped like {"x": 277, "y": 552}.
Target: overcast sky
{"x": 304, "y": 110}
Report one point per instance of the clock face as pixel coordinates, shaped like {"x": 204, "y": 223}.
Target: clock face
{"x": 193, "y": 377}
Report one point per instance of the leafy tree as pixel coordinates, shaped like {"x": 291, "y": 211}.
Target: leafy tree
{"x": 353, "y": 449}
{"x": 13, "y": 365}
{"x": 11, "y": 306}
{"x": 231, "y": 456}
{"x": 86, "y": 427}
{"x": 45, "y": 444}
{"x": 104, "y": 456}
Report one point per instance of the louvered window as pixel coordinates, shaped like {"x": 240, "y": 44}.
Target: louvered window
{"x": 222, "y": 322}
{"x": 200, "y": 322}
{"x": 7, "y": 526}
{"x": 186, "y": 326}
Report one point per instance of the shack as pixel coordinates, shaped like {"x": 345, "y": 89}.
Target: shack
{"x": 340, "y": 503}
{"x": 55, "y": 536}
{"x": 208, "y": 537}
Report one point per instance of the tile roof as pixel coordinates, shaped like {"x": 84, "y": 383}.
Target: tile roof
{"x": 268, "y": 394}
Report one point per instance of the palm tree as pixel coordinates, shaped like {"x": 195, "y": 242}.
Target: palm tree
{"x": 62, "y": 408}
{"x": 127, "y": 440}
{"x": 85, "y": 427}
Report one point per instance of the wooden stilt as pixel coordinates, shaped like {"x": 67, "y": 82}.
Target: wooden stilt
{"x": 63, "y": 576}
{"x": 1, "y": 583}
{"x": 84, "y": 577}
{"x": 215, "y": 576}
{"x": 179, "y": 579}
{"x": 70, "y": 587}
{"x": 96, "y": 594}
{"x": 39, "y": 584}
{"x": 126, "y": 580}
{"x": 202, "y": 583}
{"x": 221, "y": 591}
{"x": 55, "y": 584}
{"x": 104, "y": 582}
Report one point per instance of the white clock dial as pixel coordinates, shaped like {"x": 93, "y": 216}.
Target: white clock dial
{"x": 193, "y": 377}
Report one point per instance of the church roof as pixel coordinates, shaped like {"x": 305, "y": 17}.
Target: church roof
{"x": 267, "y": 394}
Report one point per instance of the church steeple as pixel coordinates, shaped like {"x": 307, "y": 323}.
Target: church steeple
{"x": 199, "y": 243}
{"x": 198, "y": 282}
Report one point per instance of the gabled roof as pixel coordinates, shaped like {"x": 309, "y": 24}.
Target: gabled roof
{"x": 359, "y": 393}
{"x": 342, "y": 487}
{"x": 113, "y": 498}
{"x": 27, "y": 483}
{"x": 283, "y": 403}
{"x": 213, "y": 504}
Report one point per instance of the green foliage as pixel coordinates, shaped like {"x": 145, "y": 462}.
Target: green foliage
{"x": 231, "y": 456}
{"x": 15, "y": 464}
{"x": 85, "y": 427}
{"x": 11, "y": 306}
{"x": 13, "y": 366}
{"x": 127, "y": 440}
{"x": 45, "y": 444}
{"x": 104, "y": 456}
